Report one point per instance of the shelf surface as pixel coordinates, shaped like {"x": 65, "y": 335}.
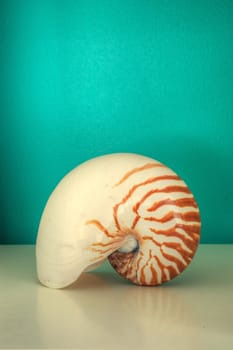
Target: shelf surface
{"x": 103, "y": 311}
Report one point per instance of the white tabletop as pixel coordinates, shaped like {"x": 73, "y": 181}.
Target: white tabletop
{"x": 102, "y": 311}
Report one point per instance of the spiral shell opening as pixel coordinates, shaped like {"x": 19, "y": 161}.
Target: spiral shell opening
{"x": 131, "y": 245}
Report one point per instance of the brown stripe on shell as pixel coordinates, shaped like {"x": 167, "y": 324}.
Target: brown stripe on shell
{"x": 174, "y": 247}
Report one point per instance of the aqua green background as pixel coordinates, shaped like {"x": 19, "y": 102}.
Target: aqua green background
{"x": 84, "y": 78}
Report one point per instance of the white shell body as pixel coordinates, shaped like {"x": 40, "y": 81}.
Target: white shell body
{"x": 127, "y": 207}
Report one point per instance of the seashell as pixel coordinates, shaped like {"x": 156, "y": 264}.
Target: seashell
{"x": 128, "y": 208}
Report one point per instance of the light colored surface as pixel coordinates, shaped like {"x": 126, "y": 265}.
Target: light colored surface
{"x": 102, "y": 311}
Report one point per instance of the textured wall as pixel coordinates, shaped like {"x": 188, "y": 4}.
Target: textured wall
{"x": 83, "y": 78}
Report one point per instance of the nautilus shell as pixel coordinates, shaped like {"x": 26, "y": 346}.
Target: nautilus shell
{"x": 128, "y": 208}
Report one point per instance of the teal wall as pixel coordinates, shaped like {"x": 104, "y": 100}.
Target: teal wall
{"x": 83, "y": 78}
